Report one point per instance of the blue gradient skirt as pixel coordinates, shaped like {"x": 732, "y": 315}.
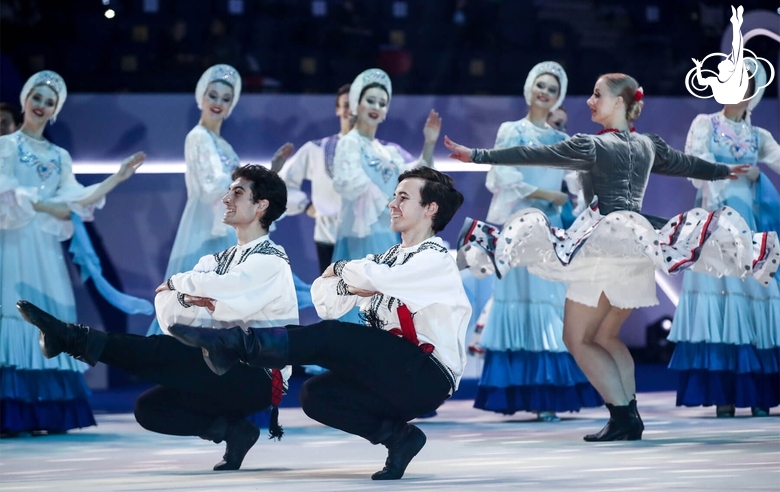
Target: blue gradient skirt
{"x": 515, "y": 381}
{"x": 43, "y": 400}
{"x": 726, "y": 374}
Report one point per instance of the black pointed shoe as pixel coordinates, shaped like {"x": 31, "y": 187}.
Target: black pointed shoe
{"x": 239, "y": 439}
{"x": 402, "y": 446}
{"x": 57, "y": 336}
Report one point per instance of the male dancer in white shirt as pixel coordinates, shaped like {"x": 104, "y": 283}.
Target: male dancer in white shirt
{"x": 314, "y": 162}
{"x": 411, "y": 356}
{"x": 249, "y": 284}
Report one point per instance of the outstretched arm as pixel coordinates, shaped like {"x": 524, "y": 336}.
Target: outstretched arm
{"x": 578, "y": 153}
{"x": 129, "y": 166}
{"x": 674, "y": 163}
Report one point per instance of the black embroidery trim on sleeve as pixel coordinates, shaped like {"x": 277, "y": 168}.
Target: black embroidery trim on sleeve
{"x": 169, "y": 282}
{"x": 180, "y": 297}
{"x": 338, "y": 267}
{"x": 342, "y": 289}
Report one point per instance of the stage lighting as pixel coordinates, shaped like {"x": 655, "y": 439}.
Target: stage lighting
{"x": 110, "y": 14}
{"x": 659, "y": 349}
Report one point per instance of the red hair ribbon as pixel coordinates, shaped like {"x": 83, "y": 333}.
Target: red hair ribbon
{"x": 639, "y": 94}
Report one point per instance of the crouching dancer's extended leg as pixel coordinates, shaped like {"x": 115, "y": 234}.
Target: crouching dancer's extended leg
{"x": 365, "y": 394}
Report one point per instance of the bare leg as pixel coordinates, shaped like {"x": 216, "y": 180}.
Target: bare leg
{"x": 580, "y": 325}
{"x": 607, "y": 337}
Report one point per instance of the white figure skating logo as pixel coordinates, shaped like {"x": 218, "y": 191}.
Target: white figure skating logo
{"x": 730, "y": 84}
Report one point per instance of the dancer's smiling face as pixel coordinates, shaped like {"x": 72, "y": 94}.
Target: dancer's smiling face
{"x": 406, "y": 210}
{"x": 545, "y": 91}
{"x": 216, "y": 101}
{"x": 604, "y": 105}
{"x": 372, "y": 109}
{"x": 40, "y": 104}
{"x": 240, "y": 210}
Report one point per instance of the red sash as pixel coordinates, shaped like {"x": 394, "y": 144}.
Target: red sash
{"x": 407, "y": 329}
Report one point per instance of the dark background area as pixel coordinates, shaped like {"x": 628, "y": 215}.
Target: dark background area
{"x": 427, "y": 46}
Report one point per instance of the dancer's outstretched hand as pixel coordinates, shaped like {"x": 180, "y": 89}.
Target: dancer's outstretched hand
{"x": 432, "y": 127}
{"x": 280, "y": 156}
{"x": 130, "y": 165}
{"x": 739, "y": 170}
{"x": 459, "y": 152}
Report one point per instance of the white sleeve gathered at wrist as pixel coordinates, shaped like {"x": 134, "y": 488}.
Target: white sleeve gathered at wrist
{"x": 328, "y": 301}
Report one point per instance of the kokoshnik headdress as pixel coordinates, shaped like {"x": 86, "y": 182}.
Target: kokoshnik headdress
{"x": 370, "y": 76}
{"x": 54, "y": 81}
{"x": 552, "y": 68}
{"x": 219, "y": 73}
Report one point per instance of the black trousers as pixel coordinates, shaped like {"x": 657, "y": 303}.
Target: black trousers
{"x": 375, "y": 377}
{"x": 189, "y": 397}
{"x": 325, "y": 254}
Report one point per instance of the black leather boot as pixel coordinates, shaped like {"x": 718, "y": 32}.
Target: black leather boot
{"x": 222, "y": 349}
{"x": 403, "y": 444}
{"x": 82, "y": 342}
{"x": 622, "y": 426}
{"x": 632, "y": 410}
{"x": 239, "y": 437}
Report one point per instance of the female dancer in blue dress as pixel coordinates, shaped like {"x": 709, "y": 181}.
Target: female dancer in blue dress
{"x": 38, "y": 196}
{"x": 211, "y": 161}
{"x": 610, "y": 253}
{"x": 365, "y": 172}
{"x": 527, "y": 366}
{"x": 727, "y": 331}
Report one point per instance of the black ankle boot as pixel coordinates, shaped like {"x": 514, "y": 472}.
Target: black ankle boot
{"x": 222, "y": 349}
{"x": 632, "y": 410}
{"x": 404, "y": 443}
{"x": 622, "y": 426}
{"x": 56, "y": 336}
{"x": 239, "y": 437}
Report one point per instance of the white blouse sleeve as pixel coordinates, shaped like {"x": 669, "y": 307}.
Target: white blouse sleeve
{"x": 16, "y": 201}
{"x": 204, "y": 163}
{"x": 697, "y": 144}
{"x": 768, "y": 150}
{"x": 69, "y": 191}
{"x": 422, "y": 281}
{"x": 293, "y": 174}
{"x": 331, "y": 298}
{"x": 246, "y": 289}
{"x": 349, "y": 178}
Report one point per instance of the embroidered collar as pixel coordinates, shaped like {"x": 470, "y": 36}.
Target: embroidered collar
{"x": 251, "y": 244}
{"x": 612, "y": 130}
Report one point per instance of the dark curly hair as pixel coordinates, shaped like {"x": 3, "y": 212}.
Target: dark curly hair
{"x": 266, "y": 185}
{"x": 440, "y": 189}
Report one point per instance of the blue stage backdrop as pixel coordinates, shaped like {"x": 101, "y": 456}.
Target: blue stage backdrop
{"x": 138, "y": 224}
